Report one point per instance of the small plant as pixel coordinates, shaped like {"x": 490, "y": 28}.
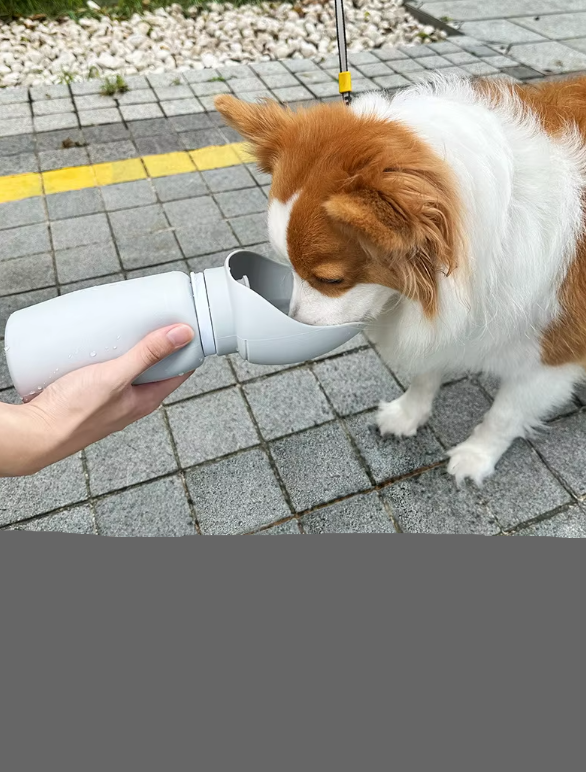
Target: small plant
{"x": 112, "y": 86}
{"x": 218, "y": 78}
{"x": 176, "y": 82}
{"x": 93, "y": 72}
{"x": 66, "y": 77}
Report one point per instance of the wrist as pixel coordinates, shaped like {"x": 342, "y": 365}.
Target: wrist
{"x": 27, "y": 441}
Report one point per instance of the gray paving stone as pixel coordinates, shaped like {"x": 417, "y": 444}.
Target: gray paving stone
{"x": 241, "y": 202}
{"x": 21, "y": 143}
{"x": 372, "y": 70}
{"x": 107, "y": 134}
{"x": 563, "y": 446}
{"x": 389, "y": 53}
{"x": 549, "y": 57}
{"x": 555, "y": 26}
{"x": 285, "y": 80}
{"x": 360, "y": 514}
{"x": 96, "y": 282}
{"x": 251, "y": 83}
{"x": 214, "y": 374}
{"x": 156, "y": 509}
{"x": 153, "y": 270}
{"x": 579, "y": 44}
{"x": 480, "y": 68}
{"x": 232, "y": 178}
{"x": 112, "y": 151}
{"x": 139, "y": 453}
{"x": 148, "y": 249}
{"x": 94, "y": 102}
{"x": 258, "y": 95}
{"x": 9, "y": 96}
{"x": 56, "y": 486}
{"x": 22, "y": 274}
{"x": 237, "y": 494}
{"x": 189, "y": 122}
{"x": 60, "y": 139}
{"x": 432, "y": 503}
{"x": 150, "y": 126}
{"x": 319, "y": 76}
{"x": 97, "y": 117}
{"x": 166, "y": 93}
{"x": 138, "y": 97}
{"x": 443, "y": 47}
{"x": 361, "y": 57}
{"x": 570, "y": 524}
{"x": 189, "y": 211}
{"x": 79, "y": 231}
{"x": 201, "y": 76}
{"x": 289, "y": 528}
{"x": 8, "y": 305}
{"x": 458, "y": 408}
{"x": 268, "y": 68}
{"x": 463, "y": 57}
{"x": 210, "y": 426}
{"x": 18, "y": 110}
{"x": 246, "y": 371}
{"x": 53, "y": 107}
{"x": 158, "y": 143}
{"x": 59, "y": 159}
{"x": 10, "y": 397}
{"x": 140, "y": 112}
{"x": 127, "y": 195}
{"x": 179, "y": 186}
{"x": 210, "y": 88}
{"x": 522, "y": 487}
{"x": 5, "y": 380}
{"x": 74, "y": 203}
{"x": 403, "y": 66}
{"x": 501, "y": 61}
{"x": 262, "y": 178}
{"x": 24, "y": 240}
{"x": 326, "y": 89}
{"x": 93, "y": 86}
{"x": 193, "y": 140}
{"x": 77, "y": 520}
{"x": 160, "y": 79}
{"x": 235, "y": 71}
{"x": 434, "y": 62}
{"x": 318, "y": 465}
{"x": 138, "y": 221}
{"x": 48, "y": 92}
{"x": 54, "y": 122}
{"x": 392, "y": 81}
{"x": 392, "y": 457}
{"x": 205, "y": 238}
{"x": 182, "y": 107}
{"x": 11, "y": 126}
{"x": 26, "y": 212}
{"x": 250, "y": 229}
{"x": 201, "y": 263}
{"x": 300, "y": 65}
{"x": 287, "y": 403}
{"x": 520, "y": 72}
{"x": 356, "y": 382}
{"x": 86, "y": 262}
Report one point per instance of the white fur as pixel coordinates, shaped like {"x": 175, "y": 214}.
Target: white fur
{"x": 278, "y": 222}
{"x": 520, "y": 190}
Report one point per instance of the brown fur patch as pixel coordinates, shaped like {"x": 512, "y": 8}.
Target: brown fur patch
{"x": 376, "y": 205}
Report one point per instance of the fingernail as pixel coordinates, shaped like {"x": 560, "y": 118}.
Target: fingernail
{"x": 180, "y": 335}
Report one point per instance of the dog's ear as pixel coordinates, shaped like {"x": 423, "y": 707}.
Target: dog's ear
{"x": 407, "y": 221}
{"x": 261, "y": 124}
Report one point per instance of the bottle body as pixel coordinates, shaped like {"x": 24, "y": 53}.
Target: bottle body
{"x": 48, "y": 340}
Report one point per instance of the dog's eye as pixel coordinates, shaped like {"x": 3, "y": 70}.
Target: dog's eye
{"x": 329, "y": 281}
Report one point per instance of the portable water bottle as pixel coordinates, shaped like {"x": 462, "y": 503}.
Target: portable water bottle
{"x": 240, "y": 307}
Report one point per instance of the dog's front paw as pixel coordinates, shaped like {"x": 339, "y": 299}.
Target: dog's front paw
{"x": 471, "y": 460}
{"x": 400, "y": 418}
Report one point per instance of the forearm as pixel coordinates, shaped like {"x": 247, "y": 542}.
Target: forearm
{"x": 24, "y": 449}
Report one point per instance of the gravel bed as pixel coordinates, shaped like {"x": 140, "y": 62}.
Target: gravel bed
{"x": 33, "y": 52}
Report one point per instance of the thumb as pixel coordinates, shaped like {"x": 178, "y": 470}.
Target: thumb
{"x": 152, "y": 349}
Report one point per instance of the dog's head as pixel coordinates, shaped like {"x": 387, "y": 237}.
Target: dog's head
{"x": 360, "y": 206}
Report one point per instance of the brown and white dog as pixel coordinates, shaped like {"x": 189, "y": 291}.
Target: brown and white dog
{"x": 451, "y": 217}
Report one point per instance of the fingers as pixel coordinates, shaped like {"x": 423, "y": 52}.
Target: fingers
{"x": 151, "y": 349}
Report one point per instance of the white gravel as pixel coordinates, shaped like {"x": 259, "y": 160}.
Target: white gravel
{"x": 36, "y": 52}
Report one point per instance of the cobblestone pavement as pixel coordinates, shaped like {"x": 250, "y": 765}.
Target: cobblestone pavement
{"x": 243, "y": 448}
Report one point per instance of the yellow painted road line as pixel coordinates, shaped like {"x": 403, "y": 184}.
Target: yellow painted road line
{"x": 18, "y": 186}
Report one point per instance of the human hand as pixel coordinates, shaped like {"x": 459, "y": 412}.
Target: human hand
{"x": 87, "y": 405}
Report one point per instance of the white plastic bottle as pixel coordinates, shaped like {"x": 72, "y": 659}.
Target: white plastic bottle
{"x": 241, "y": 306}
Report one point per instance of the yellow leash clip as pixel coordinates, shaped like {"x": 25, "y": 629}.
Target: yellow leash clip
{"x": 344, "y": 78}
{"x": 345, "y": 82}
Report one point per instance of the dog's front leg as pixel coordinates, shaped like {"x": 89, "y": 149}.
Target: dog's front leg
{"x": 522, "y": 403}
{"x": 403, "y": 416}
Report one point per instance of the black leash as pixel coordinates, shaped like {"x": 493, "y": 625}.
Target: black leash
{"x": 344, "y": 78}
